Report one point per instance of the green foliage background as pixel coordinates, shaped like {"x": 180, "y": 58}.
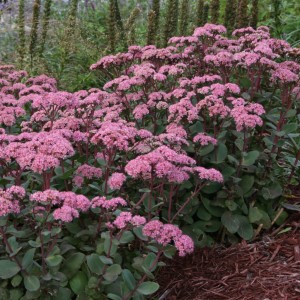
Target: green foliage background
{"x": 70, "y": 50}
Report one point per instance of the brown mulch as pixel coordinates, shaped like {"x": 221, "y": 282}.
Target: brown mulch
{"x": 265, "y": 270}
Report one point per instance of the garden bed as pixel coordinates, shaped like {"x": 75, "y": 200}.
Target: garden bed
{"x": 267, "y": 269}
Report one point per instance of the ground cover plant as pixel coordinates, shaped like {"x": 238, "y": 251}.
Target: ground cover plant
{"x": 185, "y": 145}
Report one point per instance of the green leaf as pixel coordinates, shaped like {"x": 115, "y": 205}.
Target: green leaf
{"x": 273, "y": 191}
{"x": 288, "y": 128}
{"x": 231, "y": 205}
{"x": 212, "y": 225}
{"x": 148, "y": 288}
{"x": 95, "y": 264}
{"x": 246, "y": 183}
{"x": 110, "y": 246}
{"x": 128, "y": 279}
{"x": 221, "y": 153}
{"x": 230, "y": 221}
{"x": 291, "y": 113}
{"x": 73, "y": 264}
{"x": 62, "y": 294}
{"x": 206, "y": 149}
{"x": 265, "y": 220}
{"x": 8, "y": 269}
{"x": 14, "y": 246}
{"x": 113, "y": 296}
{"x": 170, "y": 251}
{"x": 212, "y": 188}
{"x": 245, "y": 230}
{"x": 78, "y": 282}
{"x": 31, "y": 283}
{"x": 15, "y": 294}
{"x": 16, "y": 280}
{"x": 254, "y": 214}
{"x": 203, "y": 214}
{"x": 112, "y": 272}
{"x": 35, "y": 244}
{"x": 106, "y": 260}
{"x": 139, "y": 233}
{"x": 148, "y": 273}
{"x": 54, "y": 260}
{"x": 250, "y": 158}
{"x": 148, "y": 262}
{"x": 196, "y": 128}
{"x": 127, "y": 237}
{"x": 28, "y": 258}
{"x": 216, "y": 211}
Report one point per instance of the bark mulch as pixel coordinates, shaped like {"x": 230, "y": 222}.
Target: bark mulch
{"x": 265, "y": 270}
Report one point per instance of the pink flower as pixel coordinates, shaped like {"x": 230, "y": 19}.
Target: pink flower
{"x": 9, "y": 203}
{"x": 116, "y": 135}
{"x": 184, "y": 245}
{"x": 122, "y": 220}
{"x": 16, "y": 191}
{"x": 284, "y": 76}
{"x": 8, "y": 206}
{"x": 116, "y": 181}
{"x": 153, "y": 229}
{"x": 42, "y": 163}
{"x": 164, "y": 234}
{"x": 86, "y": 171}
{"x": 209, "y": 174}
{"x": 65, "y": 214}
{"x": 140, "y": 111}
{"x": 47, "y": 196}
{"x": 137, "y": 220}
{"x": 78, "y": 202}
{"x": 204, "y": 139}
{"x": 110, "y": 204}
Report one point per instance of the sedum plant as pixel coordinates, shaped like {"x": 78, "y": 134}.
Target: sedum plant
{"x": 179, "y": 149}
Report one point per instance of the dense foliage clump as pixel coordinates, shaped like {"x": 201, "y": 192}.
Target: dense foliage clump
{"x": 183, "y": 146}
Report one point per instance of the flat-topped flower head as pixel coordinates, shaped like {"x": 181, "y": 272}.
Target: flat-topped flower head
{"x": 164, "y": 234}
{"x": 116, "y": 181}
{"x": 65, "y": 214}
{"x": 108, "y": 204}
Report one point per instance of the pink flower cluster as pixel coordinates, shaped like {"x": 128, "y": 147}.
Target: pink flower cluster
{"x": 37, "y": 151}
{"x": 86, "y": 171}
{"x": 108, "y": 204}
{"x": 163, "y": 162}
{"x": 126, "y": 218}
{"x": 9, "y": 200}
{"x": 167, "y": 163}
{"x": 71, "y": 203}
{"x": 165, "y": 233}
{"x": 204, "y": 139}
{"x": 115, "y": 135}
{"x": 116, "y": 181}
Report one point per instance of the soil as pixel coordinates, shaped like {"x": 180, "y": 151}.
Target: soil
{"x": 268, "y": 269}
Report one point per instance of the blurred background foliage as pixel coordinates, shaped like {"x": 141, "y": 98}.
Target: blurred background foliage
{"x": 62, "y": 38}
